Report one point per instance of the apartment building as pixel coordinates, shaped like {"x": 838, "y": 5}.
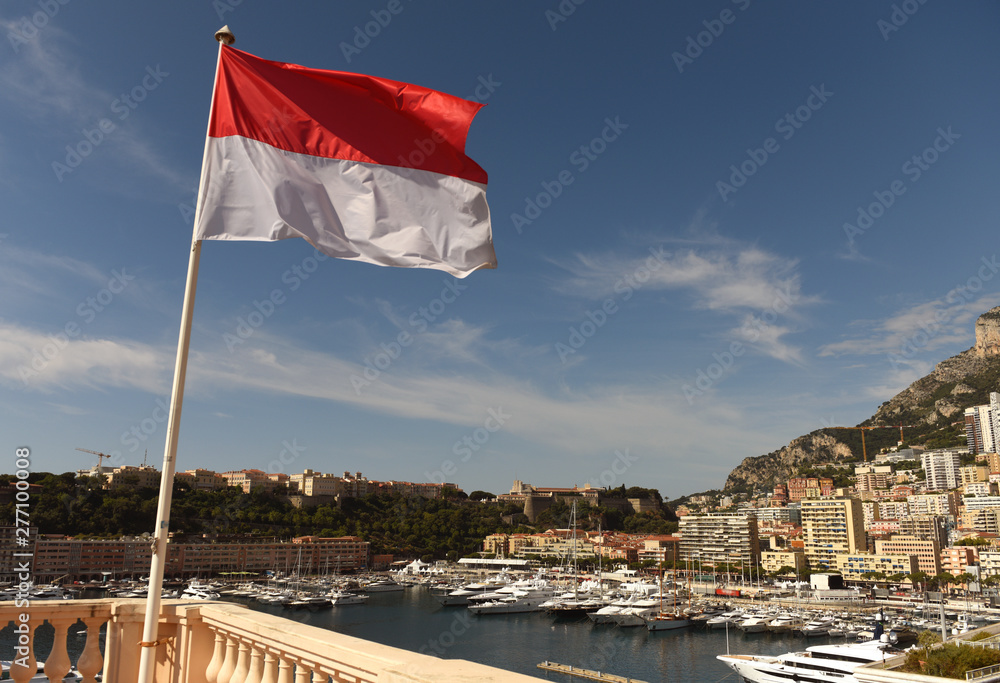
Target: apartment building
{"x": 719, "y": 538}
{"x": 935, "y": 503}
{"x": 202, "y": 480}
{"x": 143, "y": 476}
{"x": 832, "y": 526}
{"x": 941, "y": 469}
{"x": 989, "y": 562}
{"x": 854, "y": 566}
{"x": 958, "y": 559}
{"x": 872, "y": 477}
{"x": 928, "y": 552}
{"x": 84, "y": 559}
{"x": 803, "y": 488}
{"x": 982, "y": 426}
{"x": 773, "y": 560}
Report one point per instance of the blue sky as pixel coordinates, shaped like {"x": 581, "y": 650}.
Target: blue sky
{"x": 669, "y": 186}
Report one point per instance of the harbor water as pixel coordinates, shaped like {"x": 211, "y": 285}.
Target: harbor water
{"x": 415, "y": 621}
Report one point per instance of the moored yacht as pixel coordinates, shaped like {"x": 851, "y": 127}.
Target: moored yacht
{"x": 817, "y": 664}
{"x": 667, "y": 622}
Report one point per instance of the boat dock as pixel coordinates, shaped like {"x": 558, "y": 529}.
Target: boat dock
{"x": 586, "y": 673}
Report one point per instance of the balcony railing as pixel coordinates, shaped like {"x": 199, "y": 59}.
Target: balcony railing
{"x": 218, "y": 642}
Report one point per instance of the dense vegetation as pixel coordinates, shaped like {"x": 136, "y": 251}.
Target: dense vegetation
{"x": 950, "y": 660}
{"x": 451, "y": 527}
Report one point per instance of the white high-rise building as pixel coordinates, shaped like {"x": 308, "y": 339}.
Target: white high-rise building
{"x": 994, "y": 420}
{"x": 942, "y": 470}
{"x": 982, "y": 426}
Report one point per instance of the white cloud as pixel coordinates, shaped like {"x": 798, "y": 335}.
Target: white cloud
{"x": 34, "y": 361}
{"x": 755, "y": 286}
{"x": 928, "y": 326}
{"x": 600, "y": 419}
{"x": 45, "y": 85}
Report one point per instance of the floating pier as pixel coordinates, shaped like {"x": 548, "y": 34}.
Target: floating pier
{"x": 586, "y": 673}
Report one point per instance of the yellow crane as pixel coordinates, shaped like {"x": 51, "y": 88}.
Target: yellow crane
{"x": 100, "y": 457}
{"x": 864, "y": 449}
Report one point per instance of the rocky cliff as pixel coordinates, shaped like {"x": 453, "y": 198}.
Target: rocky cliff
{"x": 988, "y": 334}
{"x": 931, "y": 405}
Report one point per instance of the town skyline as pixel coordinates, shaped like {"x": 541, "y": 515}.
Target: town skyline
{"x": 715, "y": 230}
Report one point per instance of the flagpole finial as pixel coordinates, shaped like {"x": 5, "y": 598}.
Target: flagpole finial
{"x": 224, "y": 35}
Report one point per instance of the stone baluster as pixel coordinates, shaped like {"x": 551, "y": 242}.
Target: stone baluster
{"x": 91, "y": 662}
{"x": 218, "y": 657}
{"x": 58, "y": 663}
{"x": 303, "y": 674}
{"x": 229, "y": 665}
{"x": 270, "y": 672}
{"x": 24, "y": 652}
{"x": 242, "y": 664}
{"x": 256, "y": 673}
{"x": 286, "y": 671}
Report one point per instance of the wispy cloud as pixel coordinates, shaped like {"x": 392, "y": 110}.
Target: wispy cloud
{"x": 926, "y": 326}
{"x": 600, "y": 418}
{"x": 34, "y": 361}
{"x": 719, "y": 275}
{"x": 44, "y": 84}
{"x": 41, "y": 273}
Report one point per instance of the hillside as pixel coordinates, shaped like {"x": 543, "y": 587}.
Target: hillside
{"x": 933, "y": 405}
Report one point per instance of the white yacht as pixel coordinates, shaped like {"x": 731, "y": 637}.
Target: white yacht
{"x": 667, "y": 622}
{"x": 817, "y": 664}
{"x": 725, "y": 620}
{"x": 340, "y": 598}
{"x": 516, "y": 598}
{"x": 199, "y": 591}
{"x": 384, "y": 586}
{"x": 463, "y": 595}
{"x": 637, "y": 614}
{"x": 754, "y": 623}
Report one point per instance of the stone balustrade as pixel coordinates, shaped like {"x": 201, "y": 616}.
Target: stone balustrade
{"x": 219, "y": 642}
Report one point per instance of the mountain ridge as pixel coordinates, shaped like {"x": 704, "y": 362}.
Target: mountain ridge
{"x": 927, "y": 409}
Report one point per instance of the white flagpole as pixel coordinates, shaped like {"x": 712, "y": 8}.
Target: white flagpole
{"x": 147, "y": 657}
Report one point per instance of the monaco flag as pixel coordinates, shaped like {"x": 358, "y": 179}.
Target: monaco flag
{"x": 362, "y": 168}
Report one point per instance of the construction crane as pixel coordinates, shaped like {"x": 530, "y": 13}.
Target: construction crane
{"x": 864, "y": 449}
{"x": 100, "y": 457}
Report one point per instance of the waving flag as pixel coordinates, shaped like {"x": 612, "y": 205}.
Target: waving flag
{"x": 362, "y": 168}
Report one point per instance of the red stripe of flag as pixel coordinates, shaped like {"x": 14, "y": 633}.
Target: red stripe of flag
{"x": 377, "y": 121}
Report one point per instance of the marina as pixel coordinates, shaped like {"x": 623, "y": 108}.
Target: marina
{"x": 579, "y": 648}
